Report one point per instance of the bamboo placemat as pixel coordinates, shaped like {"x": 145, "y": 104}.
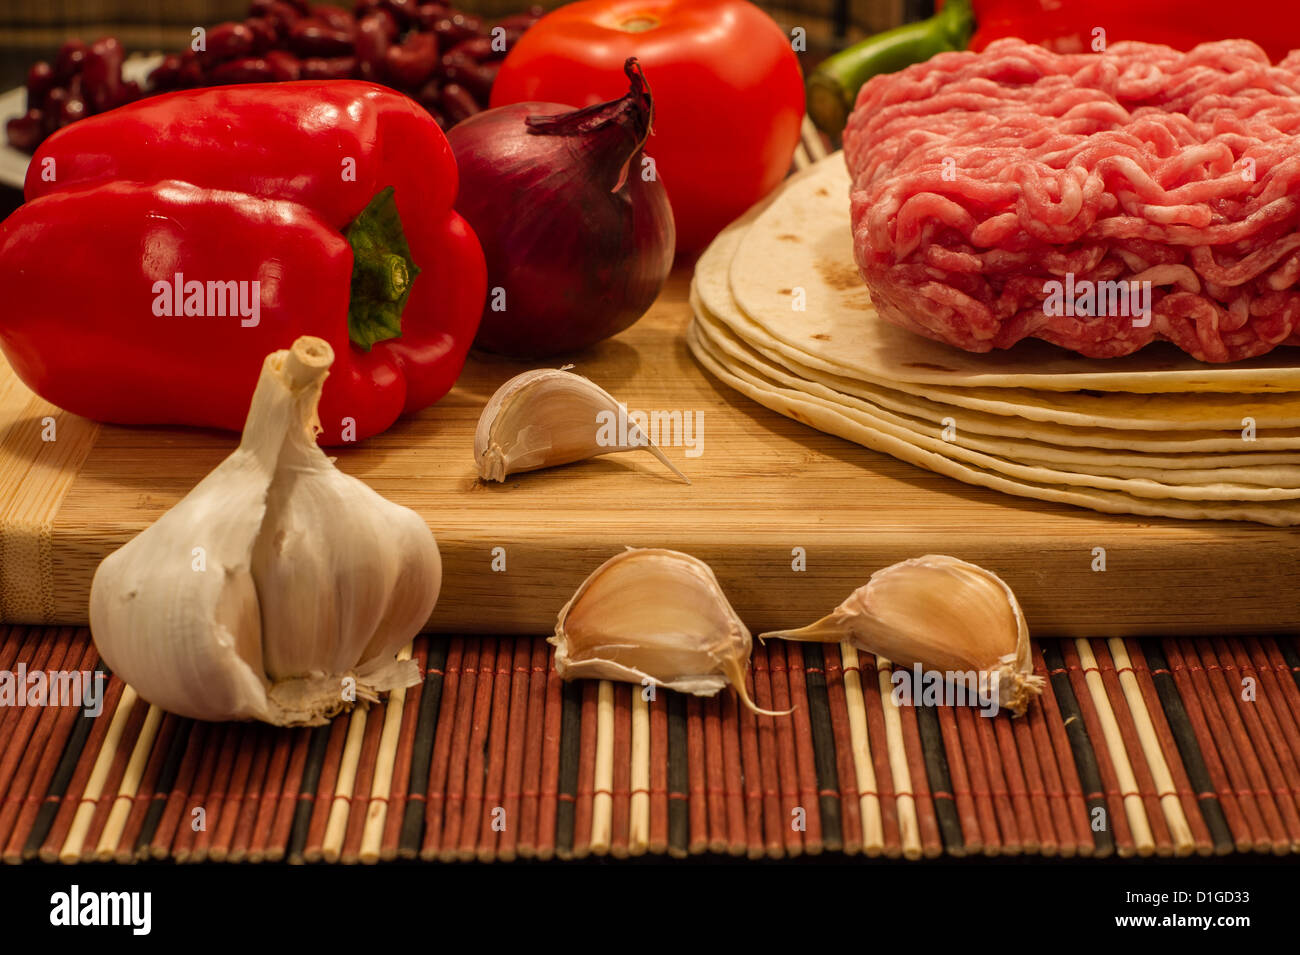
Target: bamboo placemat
{"x": 1157, "y": 747}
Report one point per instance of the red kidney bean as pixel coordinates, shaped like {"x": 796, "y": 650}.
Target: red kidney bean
{"x": 477, "y": 48}
{"x": 40, "y": 80}
{"x": 282, "y": 17}
{"x": 336, "y": 17}
{"x": 53, "y": 107}
{"x": 317, "y": 38}
{"x": 410, "y": 65}
{"x": 427, "y": 14}
{"x": 332, "y": 44}
{"x": 71, "y": 56}
{"x": 331, "y": 68}
{"x": 227, "y": 41}
{"x": 430, "y": 95}
{"x": 390, "y": 24}
{"x": 248, "y": 69}
{"x": 72, "y": 109}
{"x": 191, "y": 72}
{"x": 457, "y": 103}
{"x": 26, "y": 132}
{"x": 468, "y": 21}
{"x": 284, "y": 66}
{"x": 166, "y": 75}
{"x": 103, "y": 73}
{"x": 475, "y": 77}
{"x": 452, "y": 60}
{"x": 451, "y": 30}
{"x": 404, "y": 11}
{"x": 372, "y": 45}
{"x": 264, "y": 35}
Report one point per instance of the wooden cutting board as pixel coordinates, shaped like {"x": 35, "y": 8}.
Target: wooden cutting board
{"x": 791, "y": 519}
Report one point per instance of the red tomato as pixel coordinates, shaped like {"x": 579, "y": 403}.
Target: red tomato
{"x": 728, "y": 93}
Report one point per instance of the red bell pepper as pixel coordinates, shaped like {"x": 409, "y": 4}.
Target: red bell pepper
{"x": 1068, "y": 26}
{"x": 167, "y": 246}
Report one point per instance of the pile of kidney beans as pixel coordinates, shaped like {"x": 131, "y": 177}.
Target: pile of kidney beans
{"x": 444, "y": 59}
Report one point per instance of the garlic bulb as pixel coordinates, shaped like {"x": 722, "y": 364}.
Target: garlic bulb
{"x": 548, "y": 417}
{"x": 654, "y": 617}
{"x": 942, "y": 613}
{"x": 279, "y": 588}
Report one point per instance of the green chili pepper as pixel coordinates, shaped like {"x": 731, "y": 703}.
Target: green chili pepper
{"x": 834, "y": 85}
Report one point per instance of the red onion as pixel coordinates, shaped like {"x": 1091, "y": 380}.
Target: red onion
{"x": 576, "y": 228}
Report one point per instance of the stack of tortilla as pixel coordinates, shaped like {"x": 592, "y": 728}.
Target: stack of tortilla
{"x": 782, "y": 315}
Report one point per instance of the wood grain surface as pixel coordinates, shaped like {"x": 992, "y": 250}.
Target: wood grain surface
{"x": 762, "y": 487}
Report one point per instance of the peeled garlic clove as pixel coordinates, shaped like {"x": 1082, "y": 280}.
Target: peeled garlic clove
{"x": 653, "y": 616}
{"x": 942, "y": 613}
{"x": 278, "y": 589}
{"x": 548, "y": 417}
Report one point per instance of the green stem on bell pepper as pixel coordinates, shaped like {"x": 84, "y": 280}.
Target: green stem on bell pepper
{"x": 382, "y": 272}
{"x": 834, "y": 85}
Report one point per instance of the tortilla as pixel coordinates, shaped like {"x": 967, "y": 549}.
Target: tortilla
{"x": 802, "y": 241}
{"x": 1271, "y": 470}
{"x": 1286, "y": 475}
{"x": 826, "y": 418}
{"x": 1007, "y": 464}
{"x": 1206, "y": 442}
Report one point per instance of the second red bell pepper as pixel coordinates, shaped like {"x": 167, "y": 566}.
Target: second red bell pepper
{"x": 1080, "y": 26}
{"x": 166, "y": 247}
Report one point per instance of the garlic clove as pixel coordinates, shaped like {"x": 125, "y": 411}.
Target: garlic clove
{"x": 279, "y": 588}
{"x": 550, "y": 416}
{"x": 653, "y": 616}
{"x": 942, "y": 613}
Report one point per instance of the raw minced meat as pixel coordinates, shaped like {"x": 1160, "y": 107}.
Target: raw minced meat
{"x": 981, "y": 178}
